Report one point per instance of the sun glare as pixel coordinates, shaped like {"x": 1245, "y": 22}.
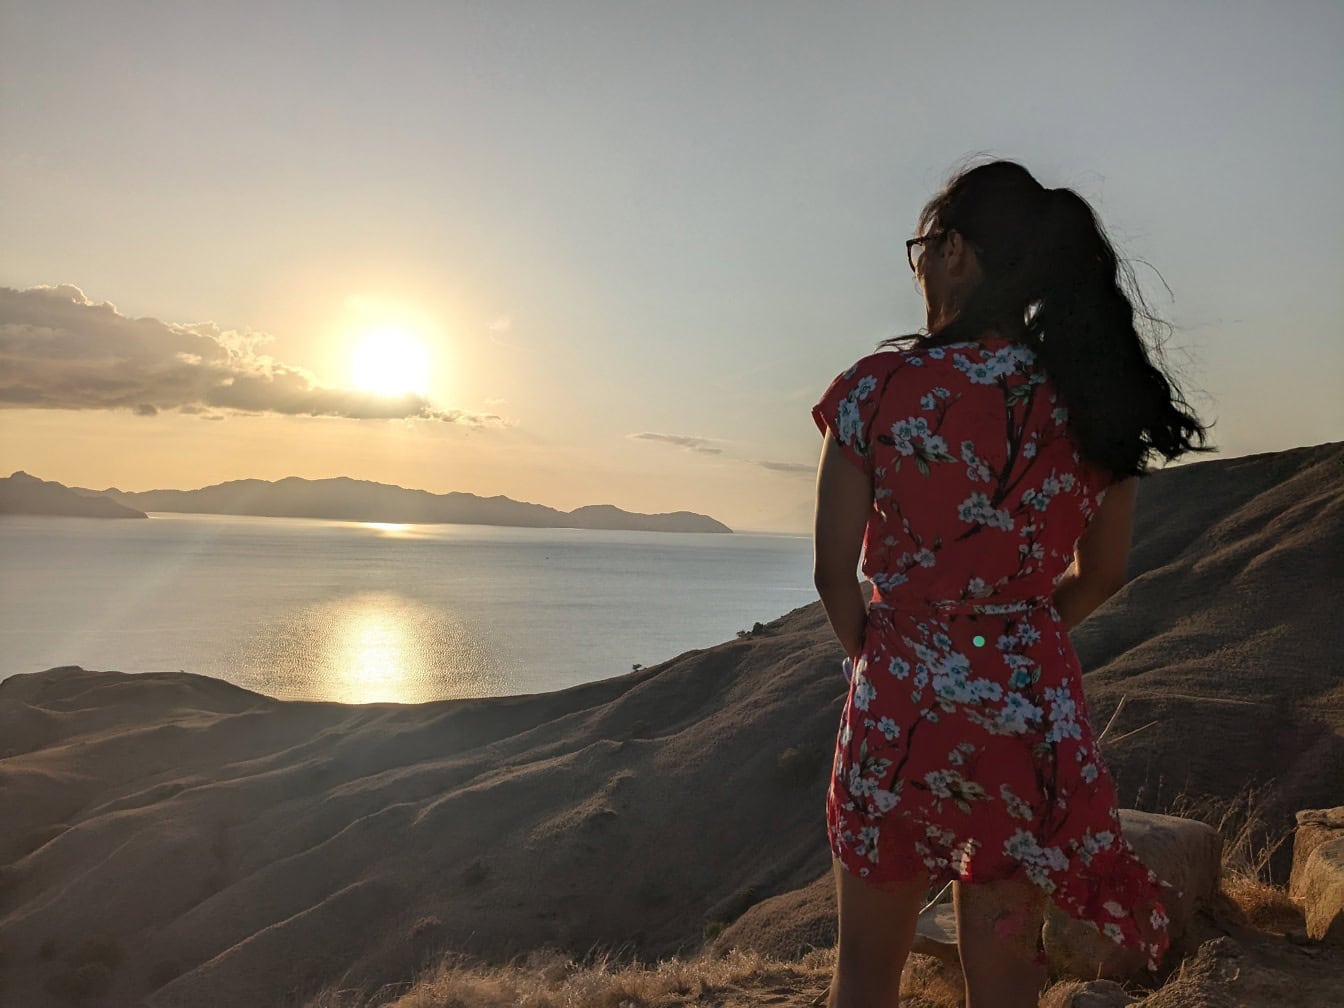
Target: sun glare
{"x": 390, "y": 362}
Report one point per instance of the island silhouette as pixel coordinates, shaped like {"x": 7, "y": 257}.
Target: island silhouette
{"x": 339, "y": 499}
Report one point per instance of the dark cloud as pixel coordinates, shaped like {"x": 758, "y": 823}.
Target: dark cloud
{"x": 59, "y": 350}
{"x": 696, "y": 444}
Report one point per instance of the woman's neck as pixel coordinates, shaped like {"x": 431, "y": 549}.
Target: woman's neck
{"x": 987, "y": 336}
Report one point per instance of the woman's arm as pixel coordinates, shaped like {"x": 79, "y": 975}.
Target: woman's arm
{"x": 844, "y": 501}
{"x": 1076, "y": 597}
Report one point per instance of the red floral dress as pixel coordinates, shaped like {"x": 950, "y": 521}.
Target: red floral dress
{"x": 965, "y": 749}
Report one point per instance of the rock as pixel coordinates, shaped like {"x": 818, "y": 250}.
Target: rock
{"x": 791, "y": 924}
{"x": 936, "y": 934}
{"x": 1206, "y": 980}
{"x": 1099, "y": 994}
{"x": 1321, "y": 887}
{"x": 1314, "y": 827}
{"x": 1185, "y": 853}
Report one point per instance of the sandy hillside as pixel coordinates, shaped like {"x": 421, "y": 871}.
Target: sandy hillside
{"x": 1228, "y": 634}
{"x": 184, "y": 842}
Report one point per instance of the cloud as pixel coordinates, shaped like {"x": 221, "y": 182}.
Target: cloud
{"x": 60, "y": 350}
{"x": 709, "y": 446}
{"x": 793, "y": 468}
{"x": 499, "y": 333}
{"x": 696, "y": 444}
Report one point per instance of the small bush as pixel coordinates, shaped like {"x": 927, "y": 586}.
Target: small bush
{"x": 713, "y": 929}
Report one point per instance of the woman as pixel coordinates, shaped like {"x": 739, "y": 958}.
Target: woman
{"x": 968, "y": 463}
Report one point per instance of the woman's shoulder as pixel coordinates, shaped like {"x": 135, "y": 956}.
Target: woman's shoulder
{"x": 880, "y": 361}
{"x": 888, "y": 360}
{"x": 979, "y": 361}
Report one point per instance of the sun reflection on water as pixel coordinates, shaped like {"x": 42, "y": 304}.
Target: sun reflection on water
{"x": 378, "y": 660}
{"x": 376, "y": 647}
{"x": 392, "y": 530}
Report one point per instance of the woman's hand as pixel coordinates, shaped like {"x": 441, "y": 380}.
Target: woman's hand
{"x": 844, "y": 502}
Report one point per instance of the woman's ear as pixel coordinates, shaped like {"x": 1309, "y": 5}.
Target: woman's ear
{"x": 957, "y": 254}
{"x": 963, "y": 265}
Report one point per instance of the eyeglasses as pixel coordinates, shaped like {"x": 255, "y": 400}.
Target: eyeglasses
{"x": 918, "y": 243}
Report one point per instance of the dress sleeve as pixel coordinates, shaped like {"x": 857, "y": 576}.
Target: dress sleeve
{"x": 849, "y": 407}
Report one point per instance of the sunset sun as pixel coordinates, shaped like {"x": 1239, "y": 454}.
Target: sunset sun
{"x": 390, "y": 362}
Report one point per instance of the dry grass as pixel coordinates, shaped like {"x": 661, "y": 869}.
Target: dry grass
{"x": 1060, "y": 995}
{"x": 1249, "y": 847}
{"x": 551, "y": 979}
{"x": 927, "y": 983}
{"x": 1266, "y": 907}
{"x": 1249, "y": 844}
{"x": 740, "y": 979}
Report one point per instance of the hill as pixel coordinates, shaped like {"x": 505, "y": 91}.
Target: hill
{"x": 24, "y": 494}
{"x": 200, "y": 844}
{"x": 345, "y": 499}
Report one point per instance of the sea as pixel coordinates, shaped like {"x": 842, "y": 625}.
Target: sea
{"x": 357, "y": 612}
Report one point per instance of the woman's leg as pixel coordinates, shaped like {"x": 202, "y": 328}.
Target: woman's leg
{"x": 998, "y": 929}
{"x": 877, "y": 928}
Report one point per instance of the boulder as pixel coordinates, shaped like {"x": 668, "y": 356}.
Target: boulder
{"x": 1207, "y": 980}
{"x": 936, "y": 934}
{"x": 1259, "y": 970}
{"x": 1314, "y": 827}
{"x": 1317, "y": 879}
{"x": 1185, "y": 853}
{"x": 1322, "y": 886}
{"x": 791, "y": 924}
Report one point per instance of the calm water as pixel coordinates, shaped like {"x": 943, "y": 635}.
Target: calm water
{"x": 353, "y": 612}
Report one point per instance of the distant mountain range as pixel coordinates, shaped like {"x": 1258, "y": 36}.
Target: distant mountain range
{"x": 24, "y": 494}
{"x": 340, "y": 499}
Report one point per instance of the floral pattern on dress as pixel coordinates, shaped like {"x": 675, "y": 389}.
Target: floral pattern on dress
{"x": 965, "y": 750}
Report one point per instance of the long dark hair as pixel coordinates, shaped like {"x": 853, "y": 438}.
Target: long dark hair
{"x": 1052, "y": 282}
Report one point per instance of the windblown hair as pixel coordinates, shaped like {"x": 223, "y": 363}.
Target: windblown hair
{"x": 1052, "y": 281}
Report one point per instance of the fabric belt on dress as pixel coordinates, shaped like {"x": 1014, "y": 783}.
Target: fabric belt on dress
{"x": 979, "y": 607}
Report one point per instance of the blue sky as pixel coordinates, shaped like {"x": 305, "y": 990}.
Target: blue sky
{"x": 605, "y": 219}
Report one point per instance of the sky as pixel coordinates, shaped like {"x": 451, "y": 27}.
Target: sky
{"x": 613, "y": 252}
